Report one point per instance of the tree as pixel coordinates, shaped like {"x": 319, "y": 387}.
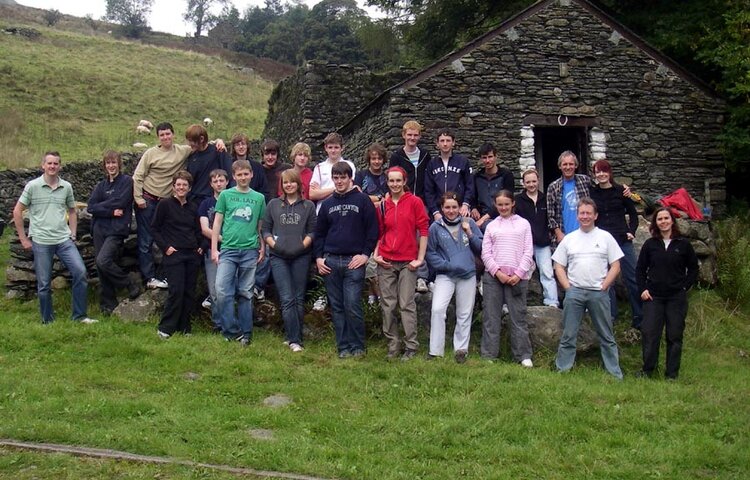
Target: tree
{"x": 199, "y": 14}
{"x": 131, "y": 14}
{"x": 52, "y": 17}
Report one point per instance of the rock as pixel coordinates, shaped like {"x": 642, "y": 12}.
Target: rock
{"x": 59, "y": 283}
{"x": 261, "y": 433}
{"x": 16, "y": 275}
{"x": 545, "y": 329}
{"x": 192, "y": 376}
{"x": 147, "y": 305}
{"x": 277, "y": 400}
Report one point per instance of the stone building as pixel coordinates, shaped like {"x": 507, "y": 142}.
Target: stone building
{"x": 561, "y": 74}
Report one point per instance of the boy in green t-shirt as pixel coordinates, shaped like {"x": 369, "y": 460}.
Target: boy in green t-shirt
{"x": 238, "y": 220}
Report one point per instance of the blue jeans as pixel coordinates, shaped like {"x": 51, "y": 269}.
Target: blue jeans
{"x": 211, "y": 268}
{"x": 235, "y": 277}
{"x": 627, "y": 264}
{"x": 344, "y": 289}
{"x": 291, "y": 279}
{"x": 543, "y": 257}
{"x": 263, "y": 273}
{"x": 69, "y": 256}
{"x": 143, "y": 217}
{"x": 576, "y": 301}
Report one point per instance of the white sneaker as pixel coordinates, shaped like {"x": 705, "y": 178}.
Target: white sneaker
{"x": 527, "y": 363}
{"x": 259, "y": 294}
{"x": 207, "y": 303}
{"x": 505, "y": 309}
{"x": 480, "y": 287}
{"x": 422, "y": 286}
{"x": 372, "y": 299}
{"x": 431, "y": 286}
{"x": 157, "y": 283}
{"x": 163, "y": 335}
{"x": 296, "y": 347}
{"x": 89, "y": 321}
{"x": 320, "y": 304}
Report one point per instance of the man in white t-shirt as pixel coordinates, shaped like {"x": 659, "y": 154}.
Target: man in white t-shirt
{"x": 321, "y": 183}
{"x": 587, "y": 262}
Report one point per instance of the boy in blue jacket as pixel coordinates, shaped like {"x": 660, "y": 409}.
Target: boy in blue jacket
{"x": 448, "y": 172}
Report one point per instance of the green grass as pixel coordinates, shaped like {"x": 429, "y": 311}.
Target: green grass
{"x": 82, "y": 94}
{"x": 115, "y": 385}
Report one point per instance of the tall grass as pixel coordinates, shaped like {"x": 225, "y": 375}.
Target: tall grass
{"x": 733, "y": 258}
{"x": 83, "y": 94}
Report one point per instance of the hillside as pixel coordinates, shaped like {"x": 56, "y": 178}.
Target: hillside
{"x": 82, "y": 94}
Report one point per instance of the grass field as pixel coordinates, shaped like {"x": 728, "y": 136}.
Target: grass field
{"x": 83, "y": 94}
{"x": 116, "y": 385}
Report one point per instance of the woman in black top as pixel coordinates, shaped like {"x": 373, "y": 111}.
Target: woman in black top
{"x": 667, "y": 268}
{"x": 612, "y": 206}
{"x": 177, "y": 233}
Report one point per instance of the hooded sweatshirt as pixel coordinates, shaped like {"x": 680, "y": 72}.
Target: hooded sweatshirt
{"x": 399, "y": 223}
{"x": 456, "y": 178}
{"x": 289, "y": 225}
{"x": 451, "y": 256}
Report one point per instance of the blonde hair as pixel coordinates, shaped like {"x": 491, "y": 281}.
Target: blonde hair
{"x": 411, "y": 125}
{"x": 300, "y": 147}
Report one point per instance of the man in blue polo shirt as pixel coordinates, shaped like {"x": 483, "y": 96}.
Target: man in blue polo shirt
{"x": 48, "y": 198}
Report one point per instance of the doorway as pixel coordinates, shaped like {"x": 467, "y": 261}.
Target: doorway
{"x": 550, "y": 142}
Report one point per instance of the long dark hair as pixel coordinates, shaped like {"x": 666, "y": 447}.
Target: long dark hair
{"x": 654, "y": 229}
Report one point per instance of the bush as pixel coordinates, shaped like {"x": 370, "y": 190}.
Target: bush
{"x": 52, "y": 17}
{"x": 733, "y": 258}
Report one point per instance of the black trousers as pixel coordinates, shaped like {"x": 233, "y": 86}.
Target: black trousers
{"x": 181, "y": 269}
{"x": 111, "y": 276}
{"x": 661, "y": 312}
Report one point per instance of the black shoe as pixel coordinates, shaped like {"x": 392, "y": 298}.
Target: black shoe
{"x": 134, "y": 290}
{"x": 408, "y": 355}
{"x": 246, "y": 340}
{"x": 345, "y": 354}
{"x": 430, "y": 356}
{"x": 643, "y": 374}
{"x": 461, "y": 356}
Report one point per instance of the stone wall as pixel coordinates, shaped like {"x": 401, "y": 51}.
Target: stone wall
{"x": 82, "y": 175}
{"x": 318, "y": 99}
{"x": 562, "y": 63}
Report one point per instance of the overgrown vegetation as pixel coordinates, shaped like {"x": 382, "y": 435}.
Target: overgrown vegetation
{"x": 733, "y": 255}
{"x": 82, "y": 94}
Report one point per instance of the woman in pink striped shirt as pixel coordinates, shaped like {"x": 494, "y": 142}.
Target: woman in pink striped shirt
{"x": 507, "y": 252}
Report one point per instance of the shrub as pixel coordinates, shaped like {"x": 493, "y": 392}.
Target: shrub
{"x": 52, "y": 17}
{"x": 733, "y": 258}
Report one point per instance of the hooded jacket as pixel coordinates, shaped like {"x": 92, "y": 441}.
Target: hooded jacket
{"x": 108, "y": 197}
{"x": 399, "y": 223}
{"x": 450, "y": 256}
{"x": 289, "y": 225}
{"x": 415, "y": 175}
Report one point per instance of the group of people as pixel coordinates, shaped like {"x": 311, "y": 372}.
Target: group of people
{"x": 420, "y": 221}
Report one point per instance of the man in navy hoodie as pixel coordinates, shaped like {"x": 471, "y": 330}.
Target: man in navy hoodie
{"x": 448, "y": 172}
{"x": 345, "y": 236}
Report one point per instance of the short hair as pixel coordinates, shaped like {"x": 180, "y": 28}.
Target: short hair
{"x": 341, "y": 168}
{"x": 411, "y": 125}
{"x": 241, "y": 165}
{"x": 333, "y": 138}
{"x": 503, "y": 193}
{"x": 445, "y": 131}
{"x": 270, "y": 145}
{"x": 566, "y": 153}
{"x": 603, "y": 166}
{"x": 291, "y": 175}
{"x": 654, "y": 228}
{"x": 586, "y": 201}
{"x": 183, "y": 175}
{"x": 111, "y": 155}
{"x": 486, "y": 149}
{"x": 216, "y": 172}
{"x": 239, "y": 138}
{"x": 164, "y": 126}
{"x": 195, "y": 133}
{"x": 448, "y": 196}
{"x": 375, "y": 148}
{"x": 300, "y": 148}
{"x": 53, "y": 153}
{"x": 529, "y": 171}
